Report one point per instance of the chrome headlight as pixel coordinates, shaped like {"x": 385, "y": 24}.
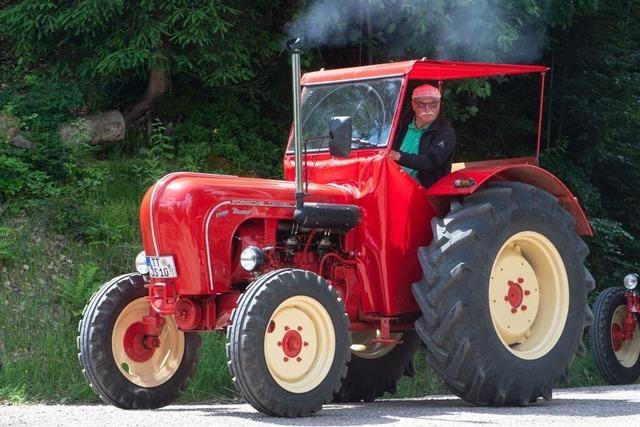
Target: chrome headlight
{"x": 141, "y": 263}
{"x": 631, "y": 281}
{"x": 251, "y": 258}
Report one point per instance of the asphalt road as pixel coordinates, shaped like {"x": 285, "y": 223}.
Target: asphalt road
{"x": 594, "y": 406}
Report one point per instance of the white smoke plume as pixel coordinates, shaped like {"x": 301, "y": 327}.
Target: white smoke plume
{"x": 482, "y": 30}
{"x": 334, "y": 23}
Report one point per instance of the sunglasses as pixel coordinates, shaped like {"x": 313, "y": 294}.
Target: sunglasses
{"x": 422, "y": 105}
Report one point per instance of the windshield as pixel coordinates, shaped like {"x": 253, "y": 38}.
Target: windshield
{"x": 370, "y": 104}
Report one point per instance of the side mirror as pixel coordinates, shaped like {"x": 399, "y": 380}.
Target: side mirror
{"x": 340, "y": 136}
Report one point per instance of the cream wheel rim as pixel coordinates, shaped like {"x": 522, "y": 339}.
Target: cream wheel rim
{"x": 365, "y": 346}
{"x": 299, "y": 344}
{"x": 164, "y": 360}
{"x": 629, "y": 350}
{"x": 528, "y": 295}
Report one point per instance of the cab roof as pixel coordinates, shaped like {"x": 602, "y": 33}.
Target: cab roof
{"x": 420, "y": 70}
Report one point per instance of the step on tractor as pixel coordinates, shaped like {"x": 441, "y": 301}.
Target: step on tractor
{"x": 328, "y": 282}
{"x": 615, "y": 333}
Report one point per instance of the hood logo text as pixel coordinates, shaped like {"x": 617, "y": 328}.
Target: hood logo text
{"x": 265, "y": 203}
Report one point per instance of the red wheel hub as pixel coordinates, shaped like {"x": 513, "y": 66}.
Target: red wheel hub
{"x": 514, "y": 295}
{"x": 291, "y": 343}
{"x": 187, "y": 314}
{"x": 617, "y": 336}
{"x": 137, "y": 343}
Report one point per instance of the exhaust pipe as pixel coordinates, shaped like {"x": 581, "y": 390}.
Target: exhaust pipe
{"x": 294, "y": 47}
{"x": 313, "y": 215}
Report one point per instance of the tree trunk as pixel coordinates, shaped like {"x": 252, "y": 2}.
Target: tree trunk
{"x": 95, "y": 129}
{"x": 156, "y": 87}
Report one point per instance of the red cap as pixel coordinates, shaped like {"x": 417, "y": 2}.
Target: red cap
{"x": 425, "y": 91}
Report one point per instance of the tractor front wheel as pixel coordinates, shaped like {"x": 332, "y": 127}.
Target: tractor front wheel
{"x": 116, "y": 356}
{"x": 504, "y": 295}
{"x": 617, "y": 359}
{"x": 289, "y": 343}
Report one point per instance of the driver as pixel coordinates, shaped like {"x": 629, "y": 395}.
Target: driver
{"x": 428, "y": 141}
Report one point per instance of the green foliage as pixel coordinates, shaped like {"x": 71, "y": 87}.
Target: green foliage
{"x": 229, "y": 137}
{"x": 212, "y": 379}
{"x": 193, "y": 156}
{"x": 156, "y": 159}
{"x": 558, "y": 161}
{"x": 613, "y": 252}
{"x": 563, "y": 14}
{"x": 215, "y": 40}
{"x": 41, "y": 103}
{"x": 7, "y": 243}
{"x": 75, "y": 292}
{"x": 12, "y": 175}
{"x": 71, "y": 209}
{"x": 425, "y": 382}
{"x": 583, "y": 371}
{"x": 35, "y": 106}
{"x": 593, "y": 127}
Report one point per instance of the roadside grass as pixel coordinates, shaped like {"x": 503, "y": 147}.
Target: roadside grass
{"x": 47, "y": 278}
{"x": 38, "y": 361}
{"x": 45, "y": 284}
{"x": 212, "y": 380}
{"x": 583, "y": 372}
{"x": 425, "y": 382}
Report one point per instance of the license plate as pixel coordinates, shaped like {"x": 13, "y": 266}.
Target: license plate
{"x": 161, "y": 266}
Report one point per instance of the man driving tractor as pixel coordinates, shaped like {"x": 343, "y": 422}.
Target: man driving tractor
{"x": 428, "y": 141}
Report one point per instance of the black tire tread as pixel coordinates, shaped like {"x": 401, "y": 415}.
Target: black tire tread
{"x": 97, "y": 363}
{"x": 603, "y": 353}
{"x": 452, "y": 257}
{"x": 245, "y": 366}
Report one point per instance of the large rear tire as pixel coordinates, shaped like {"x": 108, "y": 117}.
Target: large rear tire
{"x": 618, "y": 362}
{"x": 376, "y": 369}
{"x": 504, "y": 295}
{"x": 119, "y": 368}
{"x": 289, "y": 343}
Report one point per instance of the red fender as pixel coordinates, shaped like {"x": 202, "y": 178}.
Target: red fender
{"x": 520, "y": 170}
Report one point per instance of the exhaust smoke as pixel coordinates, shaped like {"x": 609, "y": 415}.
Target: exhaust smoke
{"x": 476, "y": 30}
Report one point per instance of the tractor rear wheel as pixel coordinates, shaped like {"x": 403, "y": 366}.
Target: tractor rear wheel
{"x": 288, "y": 343}
{"x": 617, "y": 360}
{"x": 115, "y": 358}
{"x": 504, "y": 295}
{"x": 375, "y": 369}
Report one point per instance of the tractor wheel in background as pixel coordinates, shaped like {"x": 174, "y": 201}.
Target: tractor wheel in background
{"x": 289, "y": 343}
{"x": 504, "y": 295}
{"x": 375, "y": 368}
{"x": 119, "y": 367}
{"x": 618, "y": 361}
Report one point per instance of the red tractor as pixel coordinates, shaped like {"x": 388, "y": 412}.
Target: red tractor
{"x": 326, "y": 290}
{"x": 615, "y": 333}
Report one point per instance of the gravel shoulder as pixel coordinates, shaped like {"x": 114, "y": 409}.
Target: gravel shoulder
{"x": 591, "y": 406}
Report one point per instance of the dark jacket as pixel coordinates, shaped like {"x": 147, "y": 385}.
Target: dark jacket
{"x": 435, "y": 152}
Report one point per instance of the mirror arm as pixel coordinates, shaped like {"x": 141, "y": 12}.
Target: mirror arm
{"x": 316, "y": 138}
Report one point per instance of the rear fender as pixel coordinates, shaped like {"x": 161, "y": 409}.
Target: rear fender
{"x": 526, "y": 173}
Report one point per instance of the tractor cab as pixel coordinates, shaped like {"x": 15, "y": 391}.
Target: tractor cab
{"x": 377, "y": 100}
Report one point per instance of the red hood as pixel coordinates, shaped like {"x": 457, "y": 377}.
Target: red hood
{"x": 192, "y": 216}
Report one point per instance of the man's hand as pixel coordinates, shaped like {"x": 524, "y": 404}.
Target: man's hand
{"x": 395, "y": 155}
